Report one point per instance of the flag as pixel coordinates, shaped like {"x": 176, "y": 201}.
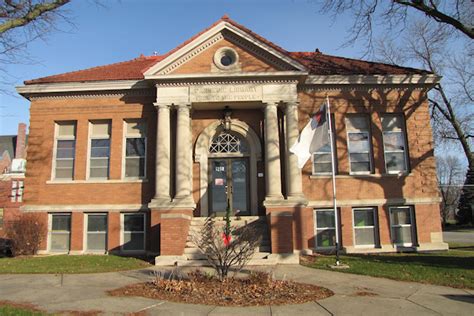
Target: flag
{"x": 314, "y": 136}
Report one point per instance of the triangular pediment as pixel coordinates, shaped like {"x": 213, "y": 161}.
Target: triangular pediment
{"x": 197, "y": 55}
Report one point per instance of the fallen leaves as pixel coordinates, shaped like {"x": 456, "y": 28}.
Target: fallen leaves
{"x": 257, "y": 289}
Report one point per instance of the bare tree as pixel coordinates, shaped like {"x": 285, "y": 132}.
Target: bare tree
{"x": 228, "y": 246}
{"x": 22, "y": 21}
{"x": 451, "y": 175}
{"x": 429, "y": 45}
{"x": 393, "y": 16}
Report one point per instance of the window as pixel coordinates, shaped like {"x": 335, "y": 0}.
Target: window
{"x": 325, "y": 228}
{"x": 358, "y": 142}
{"x": 394, "y": 144}
{"x": 65, "y": 150}
{"x": 97, "y": 232}
{"x": 99, "y": 149}
{"x": 135, "y": 149}
{"x": 401, "y": 219}
{"x": 228, "y": 143}
{"x": 226, "y": 58}
{"x": 17, "y": 191}
{"x": 14, "y": 190}
{"x": 60, "y": 232}
{"x": 364, "y": 227}
{"x": 1, "y": 217}
{"x": 322, "y": 161}
{"x": 133, "y": 231}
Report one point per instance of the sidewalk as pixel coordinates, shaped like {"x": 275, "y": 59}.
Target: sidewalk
{"x": 354, "y": 295}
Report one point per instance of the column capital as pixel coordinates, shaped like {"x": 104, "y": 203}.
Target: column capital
{"x": 271, "y": 103}
{"x": 291, "y": 104}
{"x": 165, "y": 106}
{"x": 182, "y": 107}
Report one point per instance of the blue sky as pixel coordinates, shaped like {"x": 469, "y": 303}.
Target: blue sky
{"x": 123, "y": 30}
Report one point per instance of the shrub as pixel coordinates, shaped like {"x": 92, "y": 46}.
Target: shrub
{"x": 26, "y": 234}
{"x": 227, "y": 247}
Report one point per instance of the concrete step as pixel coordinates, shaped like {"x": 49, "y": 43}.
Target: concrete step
{"x": 204, "y": 263}
{"x": 200, "y": 256}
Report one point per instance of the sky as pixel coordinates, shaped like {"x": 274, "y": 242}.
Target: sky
{"x": 122, "y": 30}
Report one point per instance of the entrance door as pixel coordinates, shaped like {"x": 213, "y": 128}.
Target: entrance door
{"x": 229, "y": 181}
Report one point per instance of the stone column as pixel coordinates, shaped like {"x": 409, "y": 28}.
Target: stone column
{"x": 272, "y": 153}
{"x": 162, "y": 180}
{"x": 293, "y": 173}
{"x": 183, "y": 157}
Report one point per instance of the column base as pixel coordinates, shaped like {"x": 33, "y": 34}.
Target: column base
{"x": 160, "y": 203}
{"x": 168, "y": 204}
{"x": 184, "y": 202}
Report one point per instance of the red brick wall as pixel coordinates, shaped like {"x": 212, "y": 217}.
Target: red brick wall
{"x": 77, "y": 231}
{"x": 44, "y": 113}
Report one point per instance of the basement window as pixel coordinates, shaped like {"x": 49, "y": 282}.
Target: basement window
{"x": 60, "y": 232}
{"x": 133, "y": 231}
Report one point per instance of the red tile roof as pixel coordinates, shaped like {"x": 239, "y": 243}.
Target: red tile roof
{"x": 127, "y": 70}
{"x": 322, "y": 64}
{"x": 316, "y": 62}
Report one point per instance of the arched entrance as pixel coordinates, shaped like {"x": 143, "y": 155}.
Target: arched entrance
{"x": 228, "y": 168}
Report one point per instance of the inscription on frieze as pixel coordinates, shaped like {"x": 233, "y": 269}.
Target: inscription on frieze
{"x": 217, "y": 93}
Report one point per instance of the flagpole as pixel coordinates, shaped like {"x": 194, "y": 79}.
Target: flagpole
{"x": 333, "y": 163}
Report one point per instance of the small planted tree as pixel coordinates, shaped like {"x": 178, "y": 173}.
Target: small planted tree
{"x": 228, "y": 247}
{"x": 26, "y": 234}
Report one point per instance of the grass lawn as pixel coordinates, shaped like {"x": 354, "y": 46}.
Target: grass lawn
{"x": 69, "y": 264}
{"x": 18, "y": 311}
{"x": 453, "y": 268}
{"x": 14, "y": 309}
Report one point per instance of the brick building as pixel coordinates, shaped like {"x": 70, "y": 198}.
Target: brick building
{"x": 12, "y": 174}
{"x": 126, "y": 157}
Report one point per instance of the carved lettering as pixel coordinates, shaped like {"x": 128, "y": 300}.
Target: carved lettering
{"x": 225, "y": 93}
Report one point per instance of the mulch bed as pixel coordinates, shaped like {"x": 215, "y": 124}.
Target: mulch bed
{"x": 257, "y": 289}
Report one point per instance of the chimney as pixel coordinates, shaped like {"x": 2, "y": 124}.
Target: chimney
{"x": 21, "y": 142}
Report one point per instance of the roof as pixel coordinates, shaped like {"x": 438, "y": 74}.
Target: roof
{"x": 316, "y": 62}
{"x": 322, "y": 64}
{"x": 8, "y": 144}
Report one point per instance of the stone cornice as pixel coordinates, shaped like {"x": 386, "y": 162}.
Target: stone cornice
{"x": 142, "y": 87}
{"x": 94, "y": 94}
{"x": 373, "y": 80}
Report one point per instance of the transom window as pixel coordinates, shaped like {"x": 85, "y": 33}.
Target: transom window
{"x": 227, "y": 143}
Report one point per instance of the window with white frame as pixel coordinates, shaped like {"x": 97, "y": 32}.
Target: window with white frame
{"x": 359, "y": 144}
{"x": 325, "y": 228}
{"x": 394, "y": 143}
{"x": 322, "y": 161}
{"x": 17, "y": 191}
{"x": 19, "y": 196}
{"x": 99, "y": 149}
{"x": 65, "y": 147}
{"x": 133, "y": 231}
{"x": 135, "y": 149}
{"x": 401, "y": 223}
{"x": 14, "y": 191}
{"x": 97, "y": 232}
{"x": 60, "y": 232}
{"x": 365, "y": 227}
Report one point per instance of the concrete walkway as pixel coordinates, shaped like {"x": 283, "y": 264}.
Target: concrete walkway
{"x": 354, "y": 295}
{"x": 459, "y": 237}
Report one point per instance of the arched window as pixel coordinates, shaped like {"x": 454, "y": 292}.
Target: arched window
{"x": 228, "y": 143}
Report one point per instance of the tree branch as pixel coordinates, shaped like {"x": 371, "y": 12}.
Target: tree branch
{"x": 439, "y": 16}
{"x": 35, "y": 12}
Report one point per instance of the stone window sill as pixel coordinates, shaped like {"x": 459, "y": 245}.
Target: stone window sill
{"x": 97, "y": 181}
{"x": 354, "y": 176}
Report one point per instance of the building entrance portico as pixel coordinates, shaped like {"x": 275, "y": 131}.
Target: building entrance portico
{"x": 260, "y": 96}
